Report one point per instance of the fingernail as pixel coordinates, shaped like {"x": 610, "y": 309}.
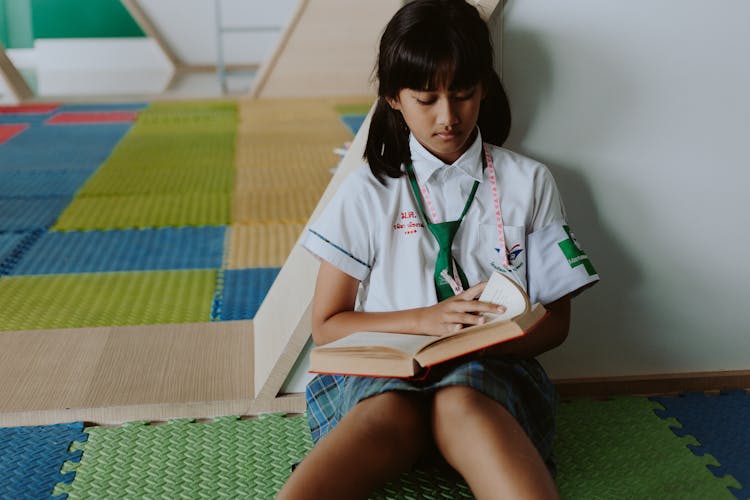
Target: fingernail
{"x": 456, "y": 328}
{"x": 501, "y": 309}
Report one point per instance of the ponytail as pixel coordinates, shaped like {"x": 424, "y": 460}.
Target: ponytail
{"x": 387, "y": 145}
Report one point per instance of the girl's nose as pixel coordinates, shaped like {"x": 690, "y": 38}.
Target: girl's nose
{"x": 447, "y": 115}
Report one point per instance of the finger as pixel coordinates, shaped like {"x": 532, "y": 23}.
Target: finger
{"x": 467, "y": 319}
{"x": 473, "y": 292}
{"x": 475, "y": 306}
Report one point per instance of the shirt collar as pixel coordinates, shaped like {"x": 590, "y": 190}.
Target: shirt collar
{"x": 426, "y": 164}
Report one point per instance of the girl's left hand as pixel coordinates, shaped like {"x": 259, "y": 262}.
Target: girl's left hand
{"x": 451, "y": 315}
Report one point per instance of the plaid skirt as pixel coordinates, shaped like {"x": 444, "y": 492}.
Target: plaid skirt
{"x": 520, "y": 385}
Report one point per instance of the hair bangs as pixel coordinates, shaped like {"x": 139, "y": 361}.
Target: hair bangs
{"x": 426, "y": 62}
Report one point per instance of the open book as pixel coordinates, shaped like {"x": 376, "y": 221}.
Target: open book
{"x": 404, "y": 355}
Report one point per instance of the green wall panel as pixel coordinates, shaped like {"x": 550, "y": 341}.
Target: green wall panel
{"x": 82, "y": 19}
{"x": 15, "y": 24}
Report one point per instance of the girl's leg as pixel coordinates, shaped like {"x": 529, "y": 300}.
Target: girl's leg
{"x": 485, "y": 444}
{"x": 378, "y": 439}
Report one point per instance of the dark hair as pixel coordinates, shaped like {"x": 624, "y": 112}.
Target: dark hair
{"x": 425, "y": 44}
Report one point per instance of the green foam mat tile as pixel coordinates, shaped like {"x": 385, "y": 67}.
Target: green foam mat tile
{"x": 195, "y": 116}
{"x": 106, "y": 299}
{"x": 226, "y": 458}
{"x": 146, "y": 211}
{"x": 620, "y": 449}
{"x": 173, "y": 150}
{"x": 195, "y": 106}
{"x": 112, "y": 181}
{"x": 606, "y": 449}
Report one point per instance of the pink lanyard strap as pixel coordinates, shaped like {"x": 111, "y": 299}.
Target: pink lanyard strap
{"x": 501, "y": 250}
{"x": 498, "y": 215}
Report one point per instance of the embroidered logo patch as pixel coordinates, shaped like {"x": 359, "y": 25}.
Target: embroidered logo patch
{"x": 574, "y": 254}
{"x": 514, "y": 262}
{"x": 408, "y": 222}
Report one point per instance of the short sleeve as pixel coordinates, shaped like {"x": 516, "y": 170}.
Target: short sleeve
{"x": 556, "y": 263}
{"x": 342, "y": 234}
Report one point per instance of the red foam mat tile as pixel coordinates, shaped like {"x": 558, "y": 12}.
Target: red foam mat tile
{"x": 28, "y": 109}
{"x": 8, "y": 131}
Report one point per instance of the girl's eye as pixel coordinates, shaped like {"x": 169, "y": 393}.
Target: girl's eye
{"x": 426, "y": 101}
{"x": 464, "y": 96}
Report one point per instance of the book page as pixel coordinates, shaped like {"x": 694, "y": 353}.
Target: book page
{"x": 502, "y": 290}
{"x": 409, "y": 344}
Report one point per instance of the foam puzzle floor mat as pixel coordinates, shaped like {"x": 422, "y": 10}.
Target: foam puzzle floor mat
{"x": 85, "y": 202}
{"x": 614, "y": 449}
{"x": 31, "y": 459}
{"x": 719, "y": 424}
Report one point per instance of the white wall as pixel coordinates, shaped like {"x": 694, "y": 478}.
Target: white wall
{"x": 642, "y": 111}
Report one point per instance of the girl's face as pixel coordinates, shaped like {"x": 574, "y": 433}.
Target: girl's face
{"x": 442, "y": 120}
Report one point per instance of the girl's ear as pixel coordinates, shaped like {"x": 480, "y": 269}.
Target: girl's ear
{"x": 394, "y": 103}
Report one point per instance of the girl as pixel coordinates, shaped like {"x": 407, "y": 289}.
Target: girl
{"x": 438, "y": 208}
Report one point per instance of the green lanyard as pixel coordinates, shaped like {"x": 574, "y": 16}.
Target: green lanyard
{"x": 446, "y": 267}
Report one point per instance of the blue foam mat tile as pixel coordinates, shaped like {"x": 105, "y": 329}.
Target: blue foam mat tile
{"x": 31, "y": 459}
{"x": 8, "y": 243}
{"x": 16, "y": 245}
{"x": 35, "y": 183}
{"x": 61, "y": 147}
{"x": 720, "y": 424}
{"x": 26, "y": 214}
{"x": 31, "y": 119}
{"x": 242, "y": 293}
{"x": 353, "y": 122}
{"x": 124, "y": 250}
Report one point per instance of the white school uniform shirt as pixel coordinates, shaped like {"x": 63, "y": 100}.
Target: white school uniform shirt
{"x": 376, "y": 234}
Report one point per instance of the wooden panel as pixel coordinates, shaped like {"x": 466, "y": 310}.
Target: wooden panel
{"x": 106, "y": 373}
{"x": 18, "y": 87}
{"x": 329, "y": 48}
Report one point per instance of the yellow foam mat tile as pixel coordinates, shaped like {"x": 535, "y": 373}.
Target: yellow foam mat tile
{"x": 319, "y": 156}
{"x": 285, "y": 110}
{"x": 141, "y": 211}
{"x": 261, "y": 207}
{"x": 105, "y": 299}
{"x": 262, "y": 245}
{"x": 275, "y": 178}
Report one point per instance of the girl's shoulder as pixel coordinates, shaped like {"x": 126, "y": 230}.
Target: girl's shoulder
{"x": 362, "y": 188}
{"x": 512, "y": 165}
{"x": 363, "y": 182}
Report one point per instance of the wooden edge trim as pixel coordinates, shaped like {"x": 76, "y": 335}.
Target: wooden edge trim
{"x": 641, "y": 385}
{"x": 269, "y": 65}
{"x": 13, "y": 79}
{"x": 269, "y": 389}
{"x": 142, "y": 19}
{"x": 647, "y": 385}
{"x": 117, "y": 415}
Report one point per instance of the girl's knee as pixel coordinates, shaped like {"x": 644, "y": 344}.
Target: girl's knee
{"x": 400, "y": 420}
{"x": 456, "y": 404}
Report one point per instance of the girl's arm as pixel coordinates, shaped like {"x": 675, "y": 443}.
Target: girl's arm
{"x": 333, "y": 314}
{"x": 550, "y": 333}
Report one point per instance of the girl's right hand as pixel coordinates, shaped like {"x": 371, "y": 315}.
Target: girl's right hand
{"x": 451, "y": 315}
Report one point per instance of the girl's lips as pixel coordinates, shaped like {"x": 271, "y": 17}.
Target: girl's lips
{"x": 447, "y": 135}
